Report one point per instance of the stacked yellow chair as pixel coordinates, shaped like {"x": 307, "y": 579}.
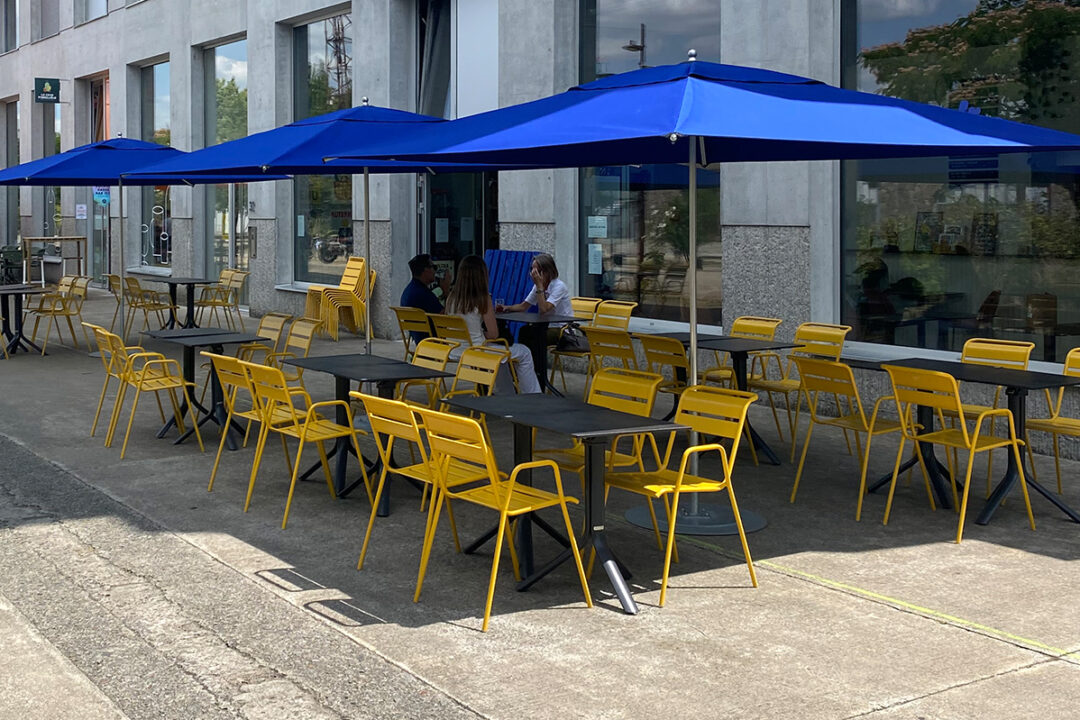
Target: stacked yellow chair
{"x": 348, "y": 295}
{"x": 454, "y": 439}
{"x": 938, "y": 391}
{"x": 715, "y": 413}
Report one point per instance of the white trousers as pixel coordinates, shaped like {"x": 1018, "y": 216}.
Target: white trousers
{"x": 526, "y": 372}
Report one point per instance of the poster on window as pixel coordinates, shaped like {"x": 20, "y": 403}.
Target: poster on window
{"x": 984, "y": 234}
{"x": 928, "y": 226}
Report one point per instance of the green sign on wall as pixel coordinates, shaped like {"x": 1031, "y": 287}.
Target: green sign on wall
{"x": 47, "y": 90}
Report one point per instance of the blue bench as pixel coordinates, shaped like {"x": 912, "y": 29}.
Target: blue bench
{"x": 508, "y": 276}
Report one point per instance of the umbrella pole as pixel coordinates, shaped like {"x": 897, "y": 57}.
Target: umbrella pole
{"x": 123, "y": 313}
{"x": 367, "y": 258}
{"x": 693, "y": 510}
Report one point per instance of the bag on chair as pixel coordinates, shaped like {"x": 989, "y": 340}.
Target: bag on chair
{"x": 572, "y": 339}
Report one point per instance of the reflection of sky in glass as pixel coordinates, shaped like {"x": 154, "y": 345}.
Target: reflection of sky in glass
{"x": 230, "y": 61}
{"x": 671, "y": 28}
{"x": 320, "y": 52}
{"x": 161, "y": 96}
{"x": 888, "y": 21}
{"x": 56, "y": 118}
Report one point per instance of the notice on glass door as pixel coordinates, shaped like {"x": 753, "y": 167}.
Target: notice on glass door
{"x": 442, "y": 230}
{"x": 596, "y": 258}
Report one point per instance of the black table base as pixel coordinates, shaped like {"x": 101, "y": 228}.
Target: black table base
{"x": 13, "y": 329}
{"x": 216, "y": 413}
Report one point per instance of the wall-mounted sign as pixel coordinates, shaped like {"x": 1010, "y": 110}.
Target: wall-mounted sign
{"x": 80, "y": 211}
{"x": 47, "y": 90}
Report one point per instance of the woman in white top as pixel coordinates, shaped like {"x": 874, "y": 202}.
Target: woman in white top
{"x": 471, "y": 299}
{"x": 549, "y": 294}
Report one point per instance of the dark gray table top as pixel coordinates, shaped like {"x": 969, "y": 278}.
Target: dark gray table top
{"x": 218, "y": 339}
{"x": 970, "y": 372}
{"x": 732, "y": 344}
{"x": 22, "y": 289}
{"x": 186, "y": 332}
{"x": 684, "y": 337}
{"x": 534, "y": 318}
{"x": 562, "y": 415}
{"x": 365, "y": 368}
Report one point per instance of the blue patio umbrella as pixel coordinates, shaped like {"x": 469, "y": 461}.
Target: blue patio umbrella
{"x": 108, "y": 162}
{"x": 702, "y": 113}
{"x": 299, "y": 148}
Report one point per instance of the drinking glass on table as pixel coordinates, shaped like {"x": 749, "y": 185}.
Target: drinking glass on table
{"x": 500, "y": 304}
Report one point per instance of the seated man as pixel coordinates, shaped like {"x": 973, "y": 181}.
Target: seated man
{"x": 418, "y": 292}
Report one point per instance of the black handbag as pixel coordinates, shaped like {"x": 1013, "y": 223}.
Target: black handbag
{"x": 572, "y": 339}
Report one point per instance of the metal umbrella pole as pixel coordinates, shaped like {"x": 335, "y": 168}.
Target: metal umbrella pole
{"x": 123, "y": 285}
{"x": 697, "y": 518}
{"x": 367, "y": 258}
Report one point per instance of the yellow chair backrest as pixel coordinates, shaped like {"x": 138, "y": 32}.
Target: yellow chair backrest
{"x": 913, "y": 387}
{"x": 271, "y": 326}
{"x": 451, "y": 327}
{"x": 236, "y": 281}
{"x": 433, "y": 353}
{"x": 1072, "y": 363}
{"x": 101, "y": 337}
{"x": 114, "y": 284}
{"x": 224, "y": 275}
{"x": 353, "y": 277}
{"x": 302, "y": 332}
{"x": 829, "y": 377}
{"x": 65, "y": 284}
{"x": 715, "y": 412}
{"x": 584, "y": 307}
{"x": 412, "y": 319}
{"x": 391, "y": 418}
{"x": 479, "y": 366}
{"x": 997, "y": 353}
{"x": 614, "y": 314}
{"x": 629, "y": 391}
{"x": 231, "y": 374}
{"x": 606, "y": 342}
{"x": 821, "y": 340}
{"x": 749, "y": 326}
{"x": 457, "y": 437}
{"x": 663, "y": 352}
{"x": 272, "y": 393}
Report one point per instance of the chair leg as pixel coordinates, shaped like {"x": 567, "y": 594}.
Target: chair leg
{"x": 895, "y": 474}
{"x": 220, "y": 449}
{"x": 1023, "y": 481}
{"x": 260, "y": 445}
{"x": 802, "y": 460}
{"x": 292, "y": 484}
{"x": 862, "y": 477}
{"x": 577, "y": 554}
{"x": 114, "y": 418}
{"x": 374, "y": 511}
{"x": 964, "y": 500}
{"x": 1057, "y": 462}
{"x": 429, "y": 538}
{"x": 494, "y": 571}
{"x": 131, "y": 421}
{"x": 742, "y": 534}
{"x": 101, "y": 401}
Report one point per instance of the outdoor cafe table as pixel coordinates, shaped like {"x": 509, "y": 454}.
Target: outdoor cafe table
{"x": 189, "y": 283}
{"x": 595, "y": 427}
{"x": 215, "y": 339}
{"x": 536, "y": 338}
{"x": 1017, "y": 383}
{"x": 739, "y": 348}
{"x": 13, "y": 326}
{"x": 359, "y": 367}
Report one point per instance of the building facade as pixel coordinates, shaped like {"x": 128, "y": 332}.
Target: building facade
{"x": 916, "y": 253}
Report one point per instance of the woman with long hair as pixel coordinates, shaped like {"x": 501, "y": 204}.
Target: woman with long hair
{"x": 471, "y": 299}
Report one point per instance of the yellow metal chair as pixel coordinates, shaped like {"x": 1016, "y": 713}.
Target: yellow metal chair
{"x": 280, "y": 414}
{"x": 147, "y": 301}
{"x": 113, "y": 368}
{"x": 212, "y": 296}
{"x": 434, "y": 354}
{"x": 747, "y": 326}
{"x": 814, "y": 340}
{"x": 393, "y": 421}
{"x": 938, "y": 391}
{"x": 348, "y": 305}
{"x": 836, "y": 379}
{"x": 235, "y": 389}
{"x": 230, "y": 298}
{"x": 613, "y": 314}
{"x": 149, "y": 372}
{"x": 712, "y": 412}
{"x": 297, "y": 345}
{"x": 456, "y": 439}
{"x": 664, "y": 352}
{"x": 450, "y": 327}
{"x": 411, "y": 320}
{"x": 1057, "y": 424}
{"x": 475, "y": 375}
{"x": 584, "y": 309}
{"x": 271, "y": 327}
{"x": 608, "y": 343}
{"x": 66, "y": 303}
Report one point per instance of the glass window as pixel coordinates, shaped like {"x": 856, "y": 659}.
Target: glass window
{"x": 323, "y": 203}
{"x": 87, "y": 10}
{"x": 9, "y": 19}
{"x": 11, "y": 194}
{"x": 155, "y": 243}
{"x": 226, "y": 119}
{"x": 53, "y": 209}
{"x": 47, "y": 19}
{"x": 634, "y": 220}
{"x": 939, "y": 250}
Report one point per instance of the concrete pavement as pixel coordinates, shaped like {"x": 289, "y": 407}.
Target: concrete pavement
{"x": 152, "y": 598}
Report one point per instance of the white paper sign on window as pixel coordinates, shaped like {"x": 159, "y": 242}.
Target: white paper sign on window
{"x": 596, "y": 258}
{"x": 597, "y": 226}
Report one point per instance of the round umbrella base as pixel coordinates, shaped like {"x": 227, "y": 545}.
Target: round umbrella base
{"x": 708, "y": 520}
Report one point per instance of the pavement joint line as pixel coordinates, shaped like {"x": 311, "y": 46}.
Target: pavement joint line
{"x": 1042, "y": 648}
{"x": 252, "y": 578}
